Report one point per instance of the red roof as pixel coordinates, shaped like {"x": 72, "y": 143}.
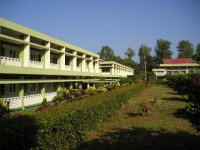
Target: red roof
{"x": 178, "y": 61}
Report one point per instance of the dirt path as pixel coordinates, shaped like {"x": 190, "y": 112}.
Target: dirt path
{"x": 162, "y": 128}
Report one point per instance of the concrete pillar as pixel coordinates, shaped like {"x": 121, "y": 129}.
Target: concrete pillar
{"x": 83, "y": 67}
{"x": 21, "y": 93}
{"x": 113, "y": 70}
{"x": 43, "y": 88}
{"x": 97, "y": 66}
{"x": 61, "y": 59}
{"x": 74, "y": 61}
{"x": 91, "y": 67}
{"x": 46, "y": 60}
{"x": 88, "y": 85}
{"x": 25, "y": 52}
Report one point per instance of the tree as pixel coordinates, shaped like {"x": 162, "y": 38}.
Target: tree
{"x": 185, "y": 49}
{"x": 144, "y": 53}
{"x": 198, "y": 48}
{"x": 106, "y": 53}
{"x": 162, "y": 50}
{"x": 129, "y": 53}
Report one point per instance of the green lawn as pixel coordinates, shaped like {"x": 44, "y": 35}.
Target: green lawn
{"x": 162, "y": 128}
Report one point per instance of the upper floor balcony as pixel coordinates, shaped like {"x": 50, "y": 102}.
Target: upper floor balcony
{"x": 35, "y": 64}
{"x": 10, "y": 61}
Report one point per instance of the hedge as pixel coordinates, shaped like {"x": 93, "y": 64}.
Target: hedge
{"x": 188, "y": 84}
{"x": 64, "y": 126}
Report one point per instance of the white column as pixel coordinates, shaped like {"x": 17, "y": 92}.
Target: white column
{"x": 47, "y": 56}
{"x": 62, "y": 59}
{"x": 83, "y": 64}
{"x": 91, "y": 68}
{"x": 74, "y": 62}
{"x": 97, "y": 66}
{"x": 113, "y": 69}
{"x": 26, "y": 54}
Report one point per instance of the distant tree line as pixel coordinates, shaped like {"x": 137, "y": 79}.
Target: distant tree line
{"x": 147, "y": 60}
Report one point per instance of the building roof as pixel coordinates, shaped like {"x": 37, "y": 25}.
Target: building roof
{"x": 178, "y": 61}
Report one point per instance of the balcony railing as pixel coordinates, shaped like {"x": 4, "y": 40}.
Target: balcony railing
{"x": 54, "y": 66}
{"x": 68, "y": 67}
{"x": 78, "y": 68}
{"x": 35, "y": 64}
{"x": 10, "y": 61}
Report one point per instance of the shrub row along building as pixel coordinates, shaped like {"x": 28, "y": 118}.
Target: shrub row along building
{"x": 176, "y": 66}
{"x": 34, "y": 65}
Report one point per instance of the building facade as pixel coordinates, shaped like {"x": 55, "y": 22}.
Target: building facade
{"x": 34, "y": 65}
{"x": 176, "y": 66}
{"x": 114, "y": 69}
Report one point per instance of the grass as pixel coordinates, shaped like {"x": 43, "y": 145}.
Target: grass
{"x": 162, "y": 128}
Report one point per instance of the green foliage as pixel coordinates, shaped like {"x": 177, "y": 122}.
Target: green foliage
{"x": 129, "y": 53}
{"x": 135, "y": 78}
{"x": 198, "y": 48}
{"x": 106, "y": 53}
{"x": 188, "y": 85}
{"x": 91, "y": 91}
{"x": 125, "y": 80}
{"x": 44, "y": 101}
{"x": 43, "y": 107}
{"x": 62, "y": 96}
{"x": 4, "y": 109}
{"x": 162, "y": 50}
{"x": 64, "y": 126}
{"x": 185, "y": 49}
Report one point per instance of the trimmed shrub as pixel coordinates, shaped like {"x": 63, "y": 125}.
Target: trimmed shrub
{"x": 44, "y": 101}
{"x": 64, "y": 126}
{"x": 43, "y": 107}
{"x": 4, "y": 109}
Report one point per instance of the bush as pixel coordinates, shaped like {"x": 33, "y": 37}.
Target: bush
{"x": 43, "y": 107}
{"x": 4, "y": 109}
{"x": 62, "y": 96}
{"x": 126, "y": 80}
{"x": 64, "y": 126}
{"x": 44, "y": 101}
{"x": 91, "y": 91}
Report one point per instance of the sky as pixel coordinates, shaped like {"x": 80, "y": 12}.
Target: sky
{"x": 91, "y": 24}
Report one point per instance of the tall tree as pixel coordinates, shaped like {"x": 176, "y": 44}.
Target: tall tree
{"x": 197, "y": 55}
{"x": 130, "y": 53}
{"x": 144, "y": 53}
{"x": 185, "y": 49}
{"x": 107, "y": 53}
{"x": 198, "y": 48}
{"x": 162, "y": 50}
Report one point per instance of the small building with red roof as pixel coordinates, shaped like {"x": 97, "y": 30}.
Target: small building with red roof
{"x": 176, "y": 66}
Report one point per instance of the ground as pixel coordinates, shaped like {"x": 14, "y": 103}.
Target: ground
{"x": 162, "y": 126}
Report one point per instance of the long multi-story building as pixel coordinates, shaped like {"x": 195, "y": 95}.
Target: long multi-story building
{"x": 34, "y": 65}
{"x": 176, "y": 66}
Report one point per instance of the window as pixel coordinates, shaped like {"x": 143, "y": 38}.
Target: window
{"x": 12, "y": 54}
{"x": 25, "y": 88}
{"x": 48, "y": 86}
{"x": 39, "y": 57}
{"x": 2, "y": 51}
{"x": 54, "y": 60}
{"x": 2, "y": 89}
{"x": 32, "y": 87}
{"x": 12, "y": 88}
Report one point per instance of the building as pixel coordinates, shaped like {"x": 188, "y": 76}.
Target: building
{"x": 176, "y": 66}
{"x": 114, "y": 69}
{"x": 34, "y": 65}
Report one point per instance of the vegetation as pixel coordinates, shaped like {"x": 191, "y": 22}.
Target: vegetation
{"x": 4, "y": 109}
{"x": 188, "y": 85}
{"x": 63, "y": 126}
{"x": 162, "y": 50}
{"x": 165, "y": 127}
{"x": 185, "y": 49}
